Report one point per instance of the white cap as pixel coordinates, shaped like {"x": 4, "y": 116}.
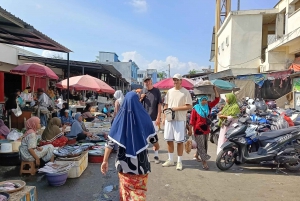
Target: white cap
{"x": 67, "y": 111}
{"x": 177, "y": 76}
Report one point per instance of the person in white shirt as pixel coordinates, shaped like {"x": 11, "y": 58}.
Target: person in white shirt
{"x": 179, "y": 100}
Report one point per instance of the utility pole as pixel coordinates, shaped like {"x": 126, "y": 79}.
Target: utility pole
{"x": 169, "y": 70}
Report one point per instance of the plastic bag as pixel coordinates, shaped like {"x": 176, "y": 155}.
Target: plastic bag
{"x": 17, "y": 112}
{"x": 14, "y": 135}
{"x": 188, "y": 145}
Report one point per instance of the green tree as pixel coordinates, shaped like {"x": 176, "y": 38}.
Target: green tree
{"x": 192, "y": 72}
{"x": 161, "y": 75}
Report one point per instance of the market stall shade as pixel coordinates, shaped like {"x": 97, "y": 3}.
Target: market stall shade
{"x": 168, "y": 84}
{"x": 225, "y": 85}
{"x": 86, "y": 82}
{"x": 34, "y": 70}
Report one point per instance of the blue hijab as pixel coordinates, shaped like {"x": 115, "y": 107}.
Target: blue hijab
{"x": 76, "y": 127}
{"x": 132, "y": 126}
{"x": 202, "y": 110}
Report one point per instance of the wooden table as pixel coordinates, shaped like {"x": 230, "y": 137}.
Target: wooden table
{"x": 28, "y": 193}
{"x": 18, "y": 122}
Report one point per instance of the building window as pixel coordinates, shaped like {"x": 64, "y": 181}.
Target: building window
{"x": 227, "y": 41}
{"x": 222, "y": 46}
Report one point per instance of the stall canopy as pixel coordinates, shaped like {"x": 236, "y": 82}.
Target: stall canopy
{"x": 114, "y": 77}
{"x": 15, "y": 31}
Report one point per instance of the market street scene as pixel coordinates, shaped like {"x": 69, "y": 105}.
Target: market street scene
{"x": 149, "y": 100}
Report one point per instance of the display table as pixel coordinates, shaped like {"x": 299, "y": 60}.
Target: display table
{"x": 81, "y": 164}
{"x": 76, "y": 108}
{"x": 18, "y": 122}
{"x": 28, "y": 193}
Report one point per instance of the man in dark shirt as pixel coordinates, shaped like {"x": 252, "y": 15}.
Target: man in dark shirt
{"x": 151, "y": 100}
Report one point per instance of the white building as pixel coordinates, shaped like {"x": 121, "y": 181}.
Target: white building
{"x": 255, "y": 41}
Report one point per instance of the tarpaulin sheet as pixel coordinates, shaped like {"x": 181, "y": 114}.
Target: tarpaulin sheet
{"x": 257, "y": 78}
{"x": 273, "y": 89}
{"x": 247, "y": 88}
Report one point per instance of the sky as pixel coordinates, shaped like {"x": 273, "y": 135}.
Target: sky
{"x": 153, "y": 33}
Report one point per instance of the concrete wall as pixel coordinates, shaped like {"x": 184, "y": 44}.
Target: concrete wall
{"x": 224, "y": 57}
{"x": 124, "y": 68}
{"x": 108, "y": 57}
{"x": 246, "y": 41}
{"x": 9, "y": 58}
{"x": 294, "y": 21}
{"x": 244, "y": 33}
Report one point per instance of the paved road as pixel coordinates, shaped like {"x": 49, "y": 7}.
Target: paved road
{"x": 168, "y": 184}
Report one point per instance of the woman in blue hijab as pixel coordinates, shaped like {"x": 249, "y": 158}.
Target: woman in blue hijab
{"x": 132, "y": 130}
{"x": 200, "y": 112}
{"x": 78, "y": 129}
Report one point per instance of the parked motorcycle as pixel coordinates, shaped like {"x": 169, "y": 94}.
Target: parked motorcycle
{"x": 280, "y": 147}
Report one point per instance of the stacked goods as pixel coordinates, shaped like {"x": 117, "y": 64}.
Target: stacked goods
{"x": 9, "y": 186}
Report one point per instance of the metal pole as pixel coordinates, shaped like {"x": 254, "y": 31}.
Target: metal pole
{"x": 68, "y": 84}
{"x": 82, "y": 70}
{"x": 169, "y": 70}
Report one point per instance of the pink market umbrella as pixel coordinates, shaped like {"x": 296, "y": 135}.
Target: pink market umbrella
{"x": 34, "y": 70}
{"x": 86, "y": 82}
{"x": 168, "y": 84}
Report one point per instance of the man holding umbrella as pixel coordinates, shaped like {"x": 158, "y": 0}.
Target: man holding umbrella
{"x": 151, "y": 100}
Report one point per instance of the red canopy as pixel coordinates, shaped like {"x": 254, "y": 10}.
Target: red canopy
{"x": 168, "y": 84}
{"x": 86, "y": 82}
{"x": 35, "y": 70}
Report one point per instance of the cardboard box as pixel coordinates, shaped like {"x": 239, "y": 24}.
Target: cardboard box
{"x": 28, "y": 193}
{"x": 80, "y": 165}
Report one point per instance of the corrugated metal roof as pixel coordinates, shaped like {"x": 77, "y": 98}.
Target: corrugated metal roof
{"x": 15, "y": 31}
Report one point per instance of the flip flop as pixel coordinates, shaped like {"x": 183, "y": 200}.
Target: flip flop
{"x": 197, "y": 158}
{"x": 205, "y": 167}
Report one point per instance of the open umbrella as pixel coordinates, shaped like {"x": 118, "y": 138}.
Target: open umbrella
{"x": 86, "y": 82}
{"x": 168, "y": 84}
{"x": 34, "y": 70}
{"x": 225, "y": 85}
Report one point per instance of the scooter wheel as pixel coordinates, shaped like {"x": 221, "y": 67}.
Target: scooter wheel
{"x": 211, "y": 138}
{"x": 292, "y": 167}
{"x": 216, "y": 138}
{"x": 225, "y": 159}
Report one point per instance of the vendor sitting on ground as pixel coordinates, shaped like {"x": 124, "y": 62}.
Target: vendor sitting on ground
{"x": 67, "y": 119}
{"x": 53, "y": 135}
{"x": 78, "y": 129}
{"x": 4, "y": 130}
{"x": 65, "y": 106}
{"x": 106, "y": 110}
{"x": 86, "y": 114}
{"x": 29, "y": 150}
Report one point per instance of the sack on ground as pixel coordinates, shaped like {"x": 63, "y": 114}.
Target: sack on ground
{"x": 14, "y": 135}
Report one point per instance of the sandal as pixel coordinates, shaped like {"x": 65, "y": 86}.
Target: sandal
{"x": 205, "y": 167}
{"x": 197, "y": 158}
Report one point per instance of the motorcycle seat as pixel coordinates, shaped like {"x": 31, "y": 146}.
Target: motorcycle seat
{"x": 277, "y": 133}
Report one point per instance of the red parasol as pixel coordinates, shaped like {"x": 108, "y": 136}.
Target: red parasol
{"x": 168, "y": 84}
{"x": 34, "y": 70}
{"x": 86, "y": 82}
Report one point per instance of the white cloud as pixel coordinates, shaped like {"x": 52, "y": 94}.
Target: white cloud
{"x": 139, "y": 5}
{"x": 53, "y": 54}
{"x": 162, "y": 65}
